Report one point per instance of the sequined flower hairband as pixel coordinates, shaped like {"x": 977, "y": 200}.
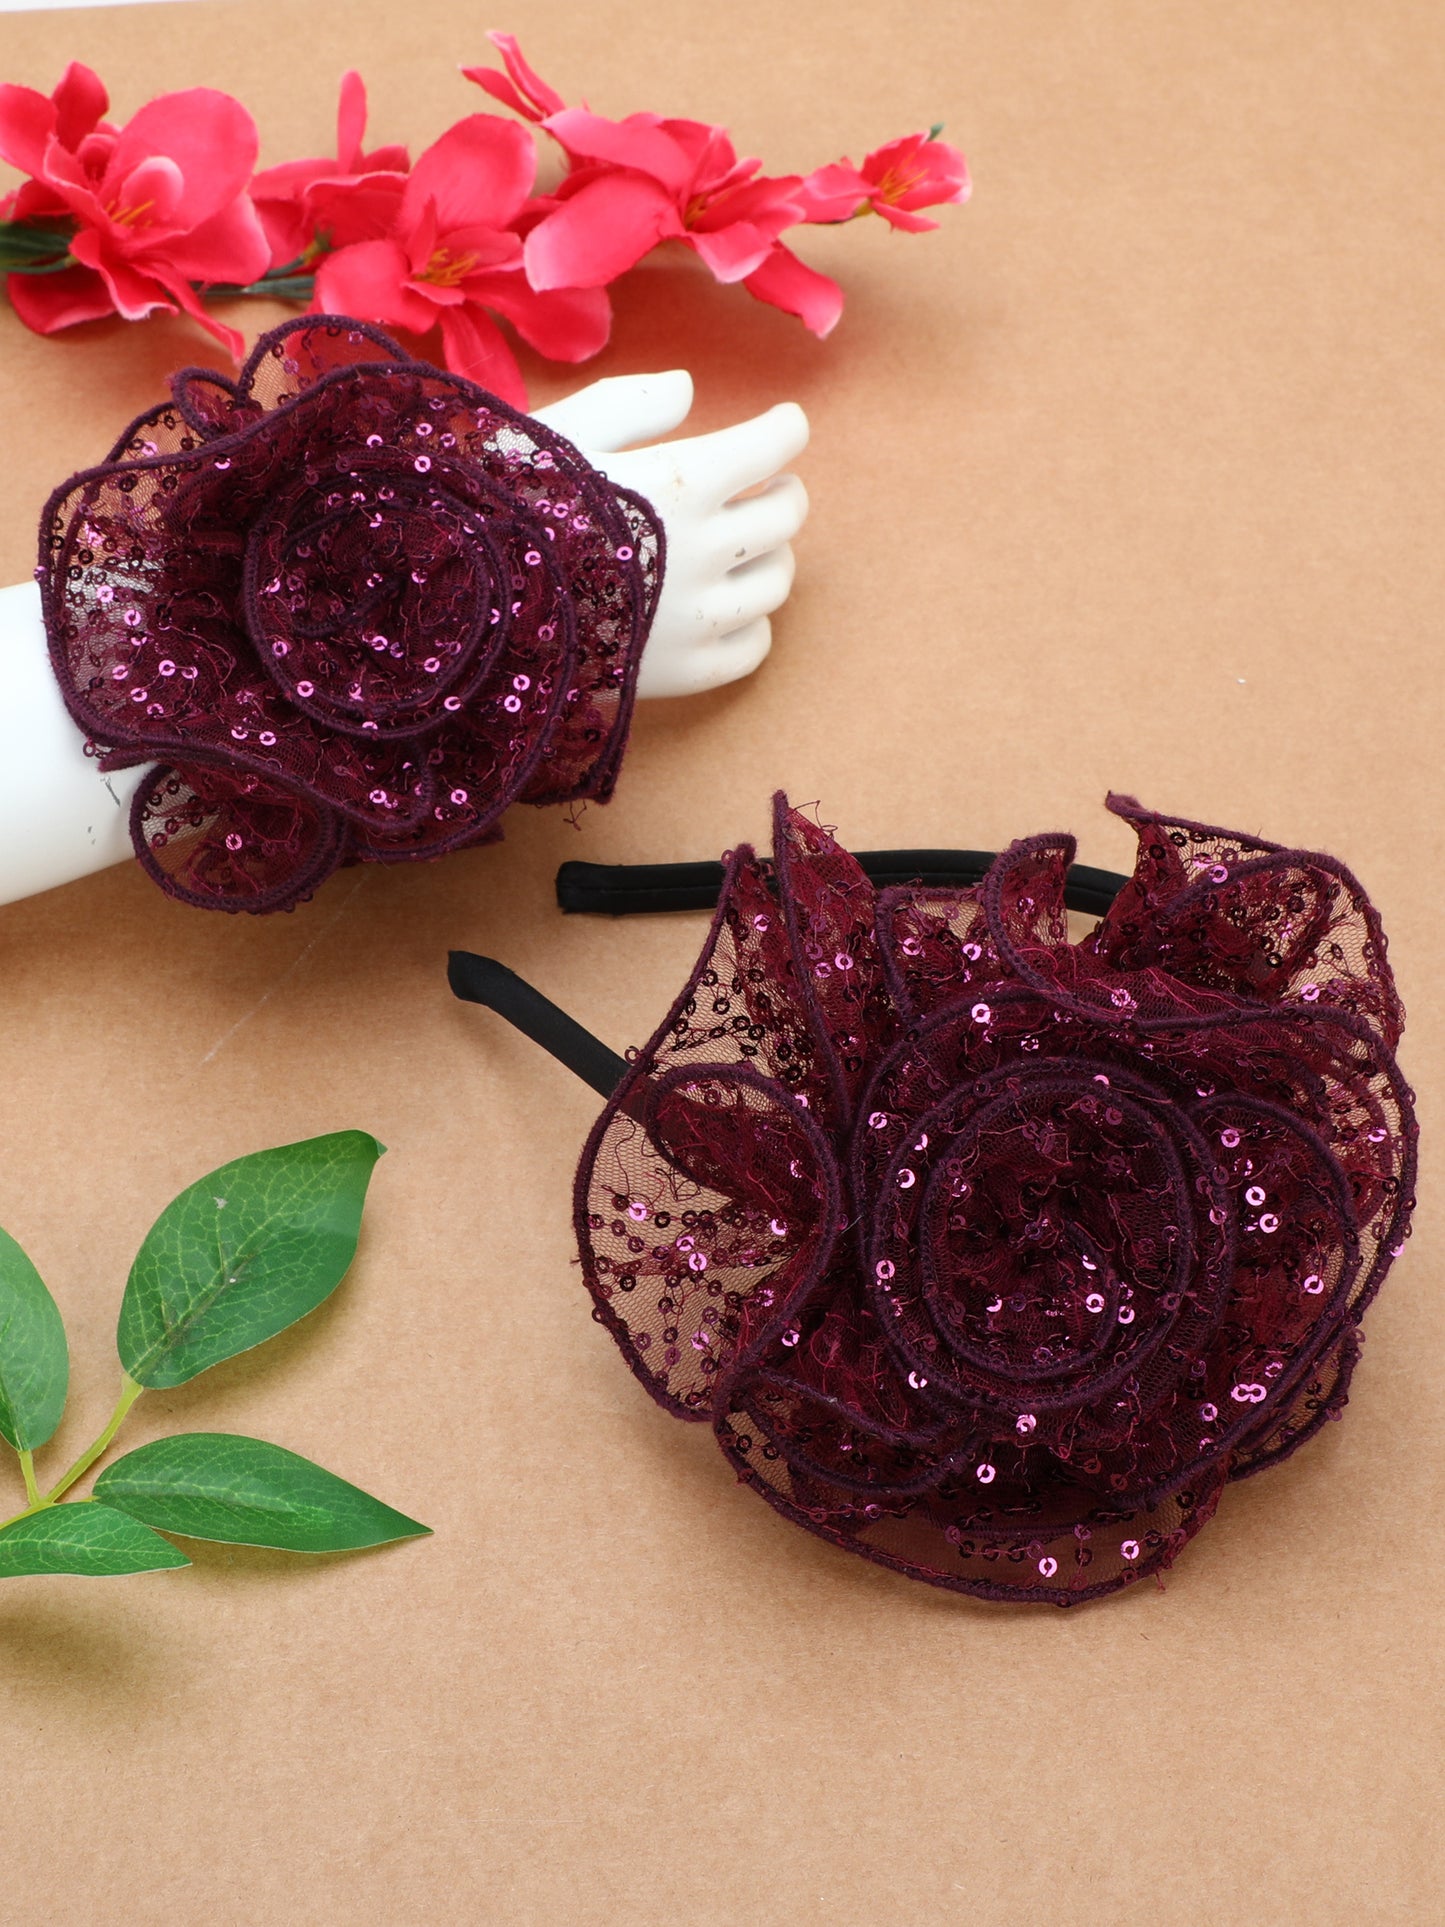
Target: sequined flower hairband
{"x": 352, "y": 607}
{"x": 989, "y": 1255}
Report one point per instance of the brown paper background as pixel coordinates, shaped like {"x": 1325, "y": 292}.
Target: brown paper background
{"x": 1130, "y": 476}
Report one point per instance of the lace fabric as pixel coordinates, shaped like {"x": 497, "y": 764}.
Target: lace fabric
{"x": 992, "y": 1256}
{"x": 352, "y": 606}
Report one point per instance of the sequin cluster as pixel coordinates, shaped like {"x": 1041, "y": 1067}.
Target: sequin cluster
{"x": 353, "y": 607}
{"x": 989, "y": 1255}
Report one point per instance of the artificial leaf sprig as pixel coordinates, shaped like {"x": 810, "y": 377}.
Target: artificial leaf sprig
{"x": 236, "y": 1258}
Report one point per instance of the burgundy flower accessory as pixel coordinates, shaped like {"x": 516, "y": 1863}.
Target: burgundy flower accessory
{"x": 990, "y": 1255}
{"x": 352, "y": 606}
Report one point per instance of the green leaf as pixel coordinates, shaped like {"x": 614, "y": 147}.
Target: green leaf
{"x": 34, "y": 1360}
{"x": 243, "y": 1254}
{"x": 83, "y": 1538}
{"x": 217, "y": 1485}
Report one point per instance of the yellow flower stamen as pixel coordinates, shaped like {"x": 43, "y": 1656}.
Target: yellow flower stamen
{"x": 445, "y": 270}
{"x": 129, "y": 216}
{"x": 894, "y": 185}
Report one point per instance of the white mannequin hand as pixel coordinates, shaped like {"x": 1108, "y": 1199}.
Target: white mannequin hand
{"x": 60, "y": 817}
{"x": 729, "y": 563}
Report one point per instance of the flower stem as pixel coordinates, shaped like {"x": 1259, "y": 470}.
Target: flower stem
{"x": 281, "y": 287}
{"x": 129, "y": 1393}
{"x": 33, "y": 250}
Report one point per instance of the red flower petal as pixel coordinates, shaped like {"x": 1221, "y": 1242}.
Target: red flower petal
{"x": 80, "y": 103}
{"x": 490, "y": 247}
{"x": 638, "y": 142}
{"x": 500, "y": 88}
{"x": 288, "y": 229}
{"x": 49, "y": 302}
{"x": 476, "y": 348}
{"x": 372, "y": 281}
{"x": 133, "y": 290}
{"x": 733, "y": 252}
{"x": 526, "y": 77}
{"x": 362, "y": 209}
{"x": 231, "y": 246}
{"x": 351, "y": 121}
{"x": 186, "y": 298}
{"x": 567, "y": 324}
{"x": 712, "y": 161}
{"x": 773, "y": 202}
{"x": 522, "y": 90}
{"x": 478, "y": 175}
{"x": 903, "y": 219}
{"x": 37, "y": 201}
{"x": 210, "y": 137}
{"x": 835, "y": 192}
{"x": 600, "y": 233}
{"x": 783, "y": 281}
{"x": 158, "y": 186}
{"x": 27, "y": 121}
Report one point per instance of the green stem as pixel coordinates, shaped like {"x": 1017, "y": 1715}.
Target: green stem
{"x": 27, "y": 1466}
{"x": 281, "y": 287}
{"x": 34, "y": 250}
{"x": 129, "y": 1393}
{"x": 46, "y": 267}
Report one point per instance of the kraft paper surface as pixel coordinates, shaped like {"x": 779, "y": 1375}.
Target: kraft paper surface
{"x": 1128, "y": 477}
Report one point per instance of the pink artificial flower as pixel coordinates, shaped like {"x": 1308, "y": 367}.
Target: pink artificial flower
{"x": 453, "y": 258}
{"x": 322, "y": 203}
{"x": 160, "y": 202}
{"x": 894, "y": 181}
{"x": 640, "y": 181}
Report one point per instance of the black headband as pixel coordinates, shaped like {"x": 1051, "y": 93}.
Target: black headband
{"x": 637, "y": 889}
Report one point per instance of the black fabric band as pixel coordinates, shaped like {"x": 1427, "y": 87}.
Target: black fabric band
{"x": 482, "y": 980}
{"x": 634, "y": 889}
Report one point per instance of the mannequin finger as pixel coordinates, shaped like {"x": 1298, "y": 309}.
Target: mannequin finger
{"x": 706, "y": 665}
{"x": 622, "y": 410}
{"x": 723, "y": 464}
{"x": 755, "y": 589}
{"x": 761, "y": 522}
{"x": 734, "y": 656}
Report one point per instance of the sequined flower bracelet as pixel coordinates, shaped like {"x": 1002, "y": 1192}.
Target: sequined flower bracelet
{"x": 989, "y": 1255}
{"x": 351, "y": 608}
